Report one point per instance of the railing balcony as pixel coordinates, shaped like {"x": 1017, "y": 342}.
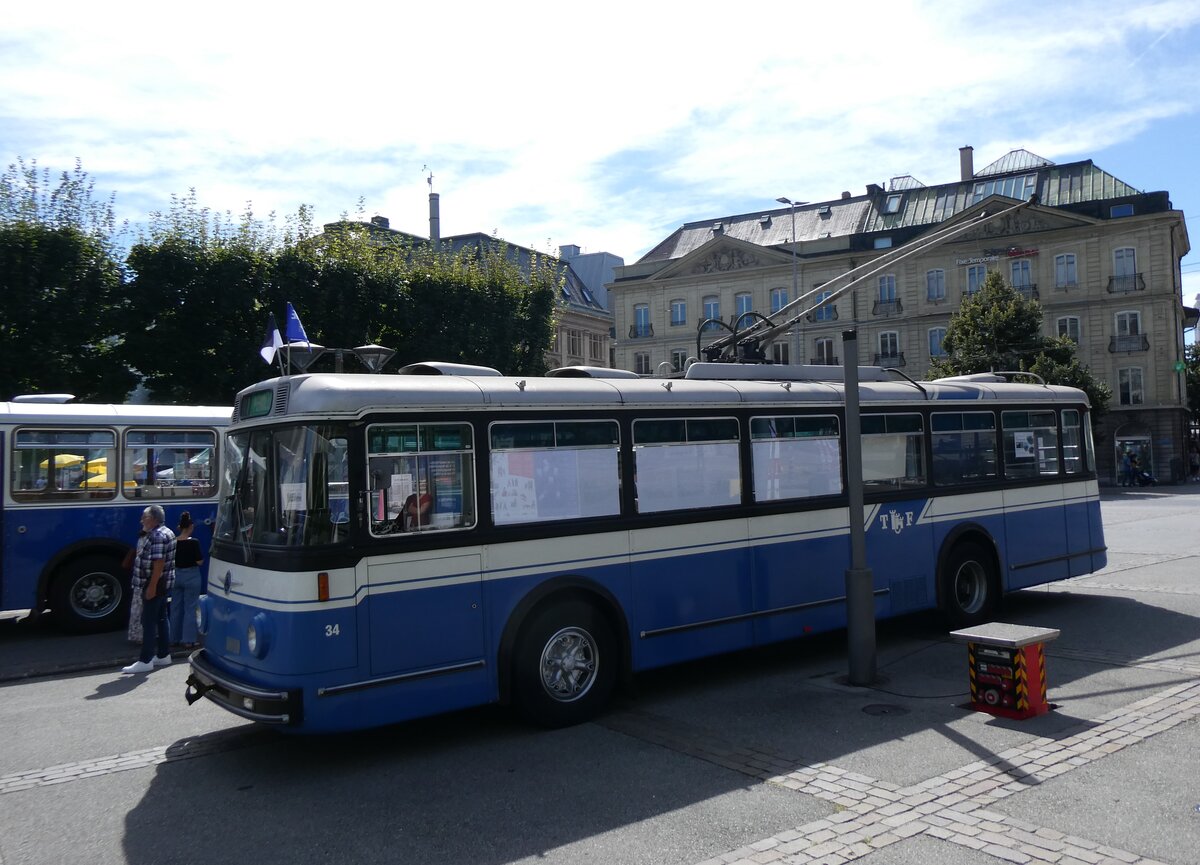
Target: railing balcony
{"x": 641, "y": 331}
{"x": 712, "y": 324}
{"x": 890, "y": 360}
{"x": 887, "y": 307}
{"x": 1126, "y": 283}
{"x": 1132, "y": 342}
{"x": 1066, "y": 286}
{"x": 825, "y": 313}
{"x": 826, "y": 361}
{"x": 1028, "y": 291}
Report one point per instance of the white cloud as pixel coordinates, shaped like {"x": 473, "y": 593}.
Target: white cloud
{"x": 552, "y": 123}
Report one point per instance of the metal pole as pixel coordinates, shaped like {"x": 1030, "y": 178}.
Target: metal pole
{"x": 795, "y": 287}
{"x": 860, "y": 582}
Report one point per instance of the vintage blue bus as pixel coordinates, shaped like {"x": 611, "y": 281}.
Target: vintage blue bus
{"x": 390, "y": 547}
{"x": 76, "y": 479}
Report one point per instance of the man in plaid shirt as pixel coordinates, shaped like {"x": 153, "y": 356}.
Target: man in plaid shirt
{"x": 153, "y": 576}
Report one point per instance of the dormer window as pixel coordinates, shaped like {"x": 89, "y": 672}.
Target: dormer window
{"x": 892, "y": 205}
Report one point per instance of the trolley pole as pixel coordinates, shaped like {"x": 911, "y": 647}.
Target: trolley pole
{"x": 860, "y": 588}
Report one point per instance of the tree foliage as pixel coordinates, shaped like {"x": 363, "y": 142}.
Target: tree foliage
{"x": 996, "y": 328}
{"x": 59, "y": 281}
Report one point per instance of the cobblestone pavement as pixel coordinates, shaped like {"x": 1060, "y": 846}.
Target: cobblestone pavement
{"x": 954, "y": 806}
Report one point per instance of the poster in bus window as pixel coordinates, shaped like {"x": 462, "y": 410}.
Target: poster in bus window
{"x": 1023, "y": 444}
{"x": 514, "y": 499}
{"x": 447, "y": 491}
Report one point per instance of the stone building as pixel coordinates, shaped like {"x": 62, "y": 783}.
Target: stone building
{"x": 1102, "y": 258}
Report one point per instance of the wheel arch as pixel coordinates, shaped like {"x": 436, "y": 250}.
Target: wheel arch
{"x": 558, "y": 590}
{"x": 68, "y": 554}
{"x": 973, "y": 533}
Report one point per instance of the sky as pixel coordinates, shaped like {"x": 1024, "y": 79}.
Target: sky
{"x": 605, "y": 125}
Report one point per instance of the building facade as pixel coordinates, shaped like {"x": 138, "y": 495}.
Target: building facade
{"x": 1102, "y": 258}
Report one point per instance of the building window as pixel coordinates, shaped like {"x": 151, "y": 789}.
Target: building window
{"x": 555, "y": 343}
{"x": 976, "y": 274}
{"x": 1128, "y": 322}
{"x": 678, "y": 359}
{"x": 779, "y": 299}
{"x": 595, "y": 346}
{"x": 889, "y": 344}
{"x": 935, "y": 284}
{"x": 1064, "y": 271}
{"x": 1129, "y": 385}
{"x": 823, "y": 353}
{"x": 678, "y": 312}
{"x": 1068, "y": 326}
{"x": 937, "y": 336}
{"x": 780, "y": 352}
{"x": 883, "y": 242}
{"x": 1119, "y": 210}
{"x": 641, "y": 321}
{"x": 892, "y": 205}
{"x": 1125, "y": 261}
{"x": 824, "y": 313}
{"x": 743, "y": 303}
{"x": 1022, "y": 275}
{"x": 575, "y": 343}
{"x": 887, "y": 288}
{"x": 641, "y": 362}
{"x": 712, "y": 310}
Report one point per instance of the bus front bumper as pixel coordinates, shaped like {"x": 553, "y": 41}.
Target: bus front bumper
{"x": 248, "y": 701}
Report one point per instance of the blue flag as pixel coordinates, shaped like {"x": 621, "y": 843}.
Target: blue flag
{"x": 295, "y": 330}
{"x": 272, "y": 341}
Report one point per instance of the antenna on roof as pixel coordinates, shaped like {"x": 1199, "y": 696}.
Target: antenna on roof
{"x": 429, "y": 179}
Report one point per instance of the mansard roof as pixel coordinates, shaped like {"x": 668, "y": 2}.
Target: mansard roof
{"x": 1075, "y": 185}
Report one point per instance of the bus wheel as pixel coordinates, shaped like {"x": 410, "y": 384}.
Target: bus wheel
{"x": 565, "y": 665}
{"x": 970, "y": 590}
{"x": 90, "y": 595}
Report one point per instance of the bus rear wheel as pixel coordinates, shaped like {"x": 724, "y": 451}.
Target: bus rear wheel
{"x": 90, "y": 595}
{"x": 970, "y": 588}
{"x": 565, "y": 665}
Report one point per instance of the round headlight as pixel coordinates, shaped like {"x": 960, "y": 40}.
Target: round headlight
{"x": 252, "y": 639}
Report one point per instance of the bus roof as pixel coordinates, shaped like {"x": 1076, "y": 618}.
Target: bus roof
{"x": 352, "y": 395}
{"x": 44, "y": 414}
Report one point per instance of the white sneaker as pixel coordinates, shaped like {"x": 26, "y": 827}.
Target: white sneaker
{"x": 164, "y": 661}
{"x": 138, "y": 667}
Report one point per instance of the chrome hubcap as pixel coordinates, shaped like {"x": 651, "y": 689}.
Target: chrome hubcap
{"x": 569, "y": 664}
{"x": 970, "y": 587}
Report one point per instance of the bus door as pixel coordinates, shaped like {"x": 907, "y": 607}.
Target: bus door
{"x": 424, "y": 611}
{"x": 1034, "y": 517}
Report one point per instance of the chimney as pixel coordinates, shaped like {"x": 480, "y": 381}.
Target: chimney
{"x": 874, "y": 189}
{"x": 845, "y": 194}
{"x": 435, "y": 227}
{"x": 380, "y": 221}
{"x": 966, "y": 162}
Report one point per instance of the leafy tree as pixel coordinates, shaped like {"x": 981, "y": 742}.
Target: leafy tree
{"x": 60, "y": 281}
{"x": 996, "y": 328}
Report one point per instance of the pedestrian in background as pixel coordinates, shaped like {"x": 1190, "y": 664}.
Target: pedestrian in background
{"x": 153, "y": 577}
{"x": 186, "y": 592}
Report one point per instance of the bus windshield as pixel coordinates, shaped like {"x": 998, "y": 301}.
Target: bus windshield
{"x": 285, "y": 486}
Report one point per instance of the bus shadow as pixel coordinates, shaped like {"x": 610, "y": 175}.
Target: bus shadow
{"x": 481, "y": 787}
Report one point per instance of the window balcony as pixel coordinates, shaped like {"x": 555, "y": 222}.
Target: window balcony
{"x": 887, "y": 307}
{"x": 711, "y": 325}
{"x": 641, "y": 331}
{"x": 1126, "y": 283}
{"x": 1028, "y": 291}
{"x": 1132, "y": 342}
{"x": 889, "y": 361}
{"x": 1066, "y": 286}
{"x": 825, "y": 313}
{"x": 826, "y": 361}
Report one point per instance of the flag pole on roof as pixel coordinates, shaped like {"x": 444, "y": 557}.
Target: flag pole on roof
{"x": 272, "y": 342}
{"x": 295, "y": 331}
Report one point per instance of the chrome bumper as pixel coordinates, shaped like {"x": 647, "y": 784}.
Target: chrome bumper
{"x": 247, "y": 701}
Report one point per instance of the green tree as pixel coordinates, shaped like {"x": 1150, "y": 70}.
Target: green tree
{"x": 60, "y": 282}
{"x": 996, "y": 328}
{"x": 196, "y": 302}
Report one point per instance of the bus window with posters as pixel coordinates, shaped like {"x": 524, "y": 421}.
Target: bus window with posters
{"x": 421, "y": 477}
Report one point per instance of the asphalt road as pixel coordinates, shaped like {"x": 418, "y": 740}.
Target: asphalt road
{"x": 764, "y": 756}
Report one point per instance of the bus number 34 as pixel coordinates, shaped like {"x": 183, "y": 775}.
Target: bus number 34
{"x": 332, "y": 630}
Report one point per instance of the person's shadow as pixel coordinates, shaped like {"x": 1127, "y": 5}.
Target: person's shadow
{"x": 116, "y": 687}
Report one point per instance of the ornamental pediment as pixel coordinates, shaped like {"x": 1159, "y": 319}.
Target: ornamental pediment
{"x": 1031, "y": 220}
{"x": 724, "y": 259}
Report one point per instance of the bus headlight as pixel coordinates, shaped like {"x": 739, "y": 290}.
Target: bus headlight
{"x": 258, "y": 635}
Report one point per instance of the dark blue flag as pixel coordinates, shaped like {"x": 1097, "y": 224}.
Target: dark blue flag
{"x": 295, "y": 330}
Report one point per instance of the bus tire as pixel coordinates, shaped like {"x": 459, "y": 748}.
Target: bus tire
{"x": 90, "y": 594}
{"x": 565, "y": 665}
{"x": 970, "y": 587}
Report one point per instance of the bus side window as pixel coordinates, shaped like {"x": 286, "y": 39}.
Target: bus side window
{"x": 420, "y": 477}
{"x": 893, "y": 452}
{"x": 66, "y": 464}
{"x": 964, "y": 447}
